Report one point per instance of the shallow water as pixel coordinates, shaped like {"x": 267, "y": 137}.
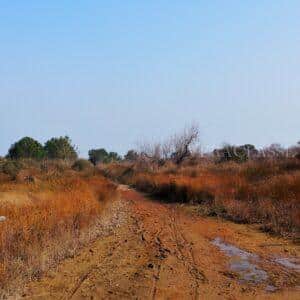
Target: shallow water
{"x": 271, "y": 289}
{"x": 290, "y": 263}
{"x": 242, "y": 262}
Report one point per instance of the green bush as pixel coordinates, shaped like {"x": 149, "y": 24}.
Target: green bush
{"x": 102, "y": 156}
{"x": 26, "y": 147}
{"x": 60, "y": 148}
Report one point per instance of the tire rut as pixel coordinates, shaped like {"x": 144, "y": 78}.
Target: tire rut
{"x": 188, "y": 257}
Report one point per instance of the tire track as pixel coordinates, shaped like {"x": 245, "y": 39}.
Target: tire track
{"x": 77, "y": 286}
{"x": 188, "y": 257}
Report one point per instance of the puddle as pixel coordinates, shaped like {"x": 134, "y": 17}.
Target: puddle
{"x": 242, "y": 262}
{"x": 290, "y": 263}
{"x": 271, "y": 289}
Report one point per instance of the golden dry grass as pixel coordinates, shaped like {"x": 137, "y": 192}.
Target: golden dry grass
{"x": 46, "y": 221}
{"x": 263, "y": 192}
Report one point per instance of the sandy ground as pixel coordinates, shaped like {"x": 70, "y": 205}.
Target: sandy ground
{"x": 161, "y": 251}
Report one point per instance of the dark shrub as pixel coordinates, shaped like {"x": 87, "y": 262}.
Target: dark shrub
{"x": 60, "y": 148}
{"x": 82, "y": 165}
{"x": 26, "y": 147}
{"x": 102, "y": 156}
{"x": 131, "y": 155}
{"x": 11, "y": 168}
{"x": 238, "y": 154}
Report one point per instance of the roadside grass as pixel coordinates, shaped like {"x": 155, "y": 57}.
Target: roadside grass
{"x": 60, "y": 215}
{"x": 264, "y": 192}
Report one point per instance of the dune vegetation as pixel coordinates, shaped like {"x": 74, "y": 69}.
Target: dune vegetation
{"x": 239, "y": 183}
{"x": 264, "y": 193}
{"x": 49, "y": 211}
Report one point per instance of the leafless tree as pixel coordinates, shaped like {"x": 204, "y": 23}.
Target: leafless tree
{"x": 183, "y": 142}
{"x": 175, "y": 148}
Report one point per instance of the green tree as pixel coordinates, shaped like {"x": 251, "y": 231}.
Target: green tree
{"x": 26, "y": 147}
{"x": 97, "y": 155}
{"x": 131, "y": 155}
{"x": 102, "y": 156}
{"x": 113, "y": 156}
{"x": 60, "y": 148}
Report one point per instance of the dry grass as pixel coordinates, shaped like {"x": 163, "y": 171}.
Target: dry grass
{"x": 57, "y": 213}
{"x": 264, "y": 192}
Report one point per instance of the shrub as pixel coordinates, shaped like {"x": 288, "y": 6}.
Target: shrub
{"x": 60, "y": 148}
{"x": 26, "y": 147}
{"x": 82, "y": 165}
{"x": 102, "y": 156}
{"x": 131, "y": 155}
{"x": 97, "y": 155}
{"x": 11, "y": 168}
{"x": 235, "y": 153}
{"x": 259, "y": 191}
{"x": 37, "y": 235}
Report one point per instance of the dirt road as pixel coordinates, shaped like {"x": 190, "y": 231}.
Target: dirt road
{"x": 161, "y": 251}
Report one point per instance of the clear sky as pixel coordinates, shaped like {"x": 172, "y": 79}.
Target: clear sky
{"x": 111, "y": 73}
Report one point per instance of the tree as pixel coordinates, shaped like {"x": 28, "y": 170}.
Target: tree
{"x": 60, "y": 148}
{"x": 102, "y": 156}
{"x": 183, "y": 142}
{"x": 235, "y": 153}
{"x": 176, "y": 148}
{"x": 26, "y": 147}
{"x": 113, "y": 156}
{"x": 97, "y": 155}
{"x": 131, "y": 155}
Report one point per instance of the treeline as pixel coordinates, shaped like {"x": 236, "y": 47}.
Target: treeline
{"x": 184, "y": 146}
{"x": 56, "y": 148}
{"x": 176, "y": 149}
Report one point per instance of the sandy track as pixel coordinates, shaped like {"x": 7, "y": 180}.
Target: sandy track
{"x": 159, "y": 251}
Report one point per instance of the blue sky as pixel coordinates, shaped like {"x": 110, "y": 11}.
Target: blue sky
{"x": 112, "y": 73}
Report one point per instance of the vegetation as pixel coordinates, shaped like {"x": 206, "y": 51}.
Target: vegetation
{"x": 60, "y": 148}
{"x": 97, "y": 156}
{"x": 266, "y": 192}
{"x": 238, "y": 154}
{"x": 82, "y": 165}
{"x": 47, "y": 219}
{"x": 48, "y": 186}
{"x": 176, "y": 148}
{"x": 131, "y": 155}
{"x": 11, "y": 168}
{"x": 26, "y": 148}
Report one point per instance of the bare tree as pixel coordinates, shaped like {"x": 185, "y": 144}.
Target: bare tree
{"x": 175, "y": 148}
{"x": 183, "y": 142}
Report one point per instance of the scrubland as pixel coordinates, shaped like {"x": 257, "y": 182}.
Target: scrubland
{"x": 264, "y": 192}
{"x": 50, "y": 211}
